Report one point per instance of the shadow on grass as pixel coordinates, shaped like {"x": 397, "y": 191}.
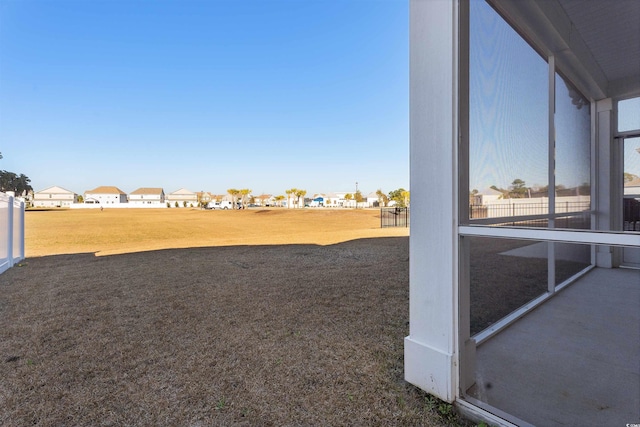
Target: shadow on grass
{"x": 261, "y": 335}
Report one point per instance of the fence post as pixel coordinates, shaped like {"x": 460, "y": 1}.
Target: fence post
{"x": 10, "y": 231}
{"x": 22, "y": 227}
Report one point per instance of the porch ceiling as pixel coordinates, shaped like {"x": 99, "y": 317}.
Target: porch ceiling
{"x": 595, "y": 42}
{"x": 611, "y": 31}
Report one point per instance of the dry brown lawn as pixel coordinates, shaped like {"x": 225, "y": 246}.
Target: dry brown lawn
{"x": 200, "y": 318}
{"x": 116, "y": 231}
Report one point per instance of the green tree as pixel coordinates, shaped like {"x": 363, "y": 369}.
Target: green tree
{"x": 628, "y": 177}
{"x": 279, "y": 199}
{"x": 518, "y": 189}
{"x": 406, "y": 197}
{"x": 357, "y": 196}
{"x": 19, "y": 184}
{"x": 80, "y": 199}
{"x": 177, "y": 205}
{"x": 398, "y": 197}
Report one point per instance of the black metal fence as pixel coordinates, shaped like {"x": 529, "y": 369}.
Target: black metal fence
{"x": 394, "y": 217}
{"x": 631, "y": 215}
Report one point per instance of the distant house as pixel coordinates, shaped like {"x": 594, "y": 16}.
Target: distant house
{"x": 317, "y": 200}
{"x": 487, "y": 196}
{"x": 105, "y": 196}
{"x": 372, "y": 200}
{"x": 339, "y": 200}
{"x": 54, "y": 197}
{"x": 147, "y": 197}
{"x": 182, "y": 197}
{"x": 265, "y": 200}
{"x": 632, "y": 188}
{"x": 335, "y": 200}
{"x": 204, "y": 197}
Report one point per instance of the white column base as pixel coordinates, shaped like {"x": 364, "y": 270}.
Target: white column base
{"x": 429, "y": 368}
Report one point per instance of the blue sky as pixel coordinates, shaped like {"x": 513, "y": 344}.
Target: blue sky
{"x": 509, "y": 124}
{"x": 206, "y": 95}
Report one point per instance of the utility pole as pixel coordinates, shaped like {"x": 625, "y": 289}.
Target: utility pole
{"x": 354, "y": 195}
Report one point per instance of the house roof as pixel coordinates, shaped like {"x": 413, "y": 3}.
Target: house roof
{"x": 633, "y": 183}
{"x": 148, "y": 190}
{"x": 335, "y": 195}
{"x": 183, "y": 192}
{"x": 490, "y": 192}
{"x": 105, "y": 190}
{"x": 55, "y": 190}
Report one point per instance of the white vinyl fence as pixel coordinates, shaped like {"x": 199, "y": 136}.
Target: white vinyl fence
{"x": 11, "y": 231}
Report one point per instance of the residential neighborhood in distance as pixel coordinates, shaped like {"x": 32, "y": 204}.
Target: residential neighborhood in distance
{"x": 155, "y": 197}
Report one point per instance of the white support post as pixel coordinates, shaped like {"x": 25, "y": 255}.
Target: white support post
{"x": 431, "y": 355}
{"x": 605, "y": 169}
{"x": 551, "y": 250}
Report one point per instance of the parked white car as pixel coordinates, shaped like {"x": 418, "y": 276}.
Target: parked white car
{"x": 225, "y": 204}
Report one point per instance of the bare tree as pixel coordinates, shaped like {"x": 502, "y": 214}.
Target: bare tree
{"x": 290, "y": 193}
{"x": 234, "y": 196}
{"x": 382, "y": 198}
{"x": 298, "y": 194}
{"x": 244, "y": 193}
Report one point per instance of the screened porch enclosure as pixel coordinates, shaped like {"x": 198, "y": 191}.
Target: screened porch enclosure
{"x": 525, "y": 309}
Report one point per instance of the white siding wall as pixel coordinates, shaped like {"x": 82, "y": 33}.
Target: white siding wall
{"x": 54, "y": 199}
{"x": 106, "y": 199}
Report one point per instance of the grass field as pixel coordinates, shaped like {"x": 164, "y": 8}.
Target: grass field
{"x": 253, "y": 317}
{"x": 200, "y": 318}
{"x": 116, "y": 231}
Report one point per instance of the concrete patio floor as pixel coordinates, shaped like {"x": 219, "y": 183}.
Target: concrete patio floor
{"x": 575, "y": 360}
